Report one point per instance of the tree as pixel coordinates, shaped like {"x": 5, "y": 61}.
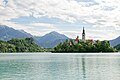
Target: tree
{"x": 20, "y": 45}
{"x": 6, "y": 47}
{"x": 81, "y": 46}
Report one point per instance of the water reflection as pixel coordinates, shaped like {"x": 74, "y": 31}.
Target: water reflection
{"x": 62, "y": 67}
{"x": 83, "y": 68}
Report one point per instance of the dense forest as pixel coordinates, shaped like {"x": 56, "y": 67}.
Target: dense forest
{"x": 20, "y": 45}
{"x": 84, "y": 46}
{"x": 28, "y": 45}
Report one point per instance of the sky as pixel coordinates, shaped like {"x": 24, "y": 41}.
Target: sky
{"x": 100, "y": 18}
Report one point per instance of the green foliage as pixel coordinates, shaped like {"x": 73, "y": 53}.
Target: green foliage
{"x": 87, "y": 46}
{"x": 28, "y": 45}
{"x": 20, "y": 45}
{"x": 6, "y": 47}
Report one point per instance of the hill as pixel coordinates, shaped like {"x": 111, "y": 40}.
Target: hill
{"x": 115, "y": 42}
{"x": 69, "y": 46}
{"x": 7, "y": 33}
{"x": 20, "y": 45}
{"x": 51, "y": 39}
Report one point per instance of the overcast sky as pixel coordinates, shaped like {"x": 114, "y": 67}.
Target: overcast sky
{"x": 101, "y": 18}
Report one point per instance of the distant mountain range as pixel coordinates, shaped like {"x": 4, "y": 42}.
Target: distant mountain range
{"x": 115, "y": 42}
{"x": 49, "y": 40}
{"x": 7, "y": 33}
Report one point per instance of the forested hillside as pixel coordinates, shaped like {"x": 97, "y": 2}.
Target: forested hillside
{"x": 87, "y": 47}
{"x": 20, "y": 45}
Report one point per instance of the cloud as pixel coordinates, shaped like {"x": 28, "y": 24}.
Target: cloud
{"x": 97, "y": 14}
{"x": 43, "y": 24}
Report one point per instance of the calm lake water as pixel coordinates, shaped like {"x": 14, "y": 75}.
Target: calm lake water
{"x": 49, "y": 66}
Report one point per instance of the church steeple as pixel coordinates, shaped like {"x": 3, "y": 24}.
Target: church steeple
{"x": 83, "y": 35}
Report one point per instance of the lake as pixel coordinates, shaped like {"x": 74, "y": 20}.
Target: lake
{"x": 49, "y": 66}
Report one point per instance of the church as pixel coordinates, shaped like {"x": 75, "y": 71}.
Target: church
{"x": 77, "y": 40}
{"x": 83, "y": 36}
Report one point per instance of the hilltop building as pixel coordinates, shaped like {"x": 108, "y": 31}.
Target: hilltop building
{"x": 77, "y": 40}
{"x": 83, "y": 37}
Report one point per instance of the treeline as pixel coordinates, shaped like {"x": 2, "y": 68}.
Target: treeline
{"x": 28, "y": 45}
{"x": 20, "y": 45}
{"x": 86, "y": 47}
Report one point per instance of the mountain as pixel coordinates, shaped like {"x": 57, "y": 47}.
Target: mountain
{"x": 117, "y": 47}
{"x": 51, "y": 39}
{"x": 115, "y": 42}
{"x": 7, "y": 33}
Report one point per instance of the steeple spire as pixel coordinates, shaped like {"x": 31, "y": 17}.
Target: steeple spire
{"x": 83, "y": 35}
{"x": 83, "y": 31}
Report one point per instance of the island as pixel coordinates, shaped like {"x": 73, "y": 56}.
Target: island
{"x": 68, "y": 46}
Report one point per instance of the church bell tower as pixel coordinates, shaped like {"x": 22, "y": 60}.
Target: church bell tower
{"x": 83, "y": 35}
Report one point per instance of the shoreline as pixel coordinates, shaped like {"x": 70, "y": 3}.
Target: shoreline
{"x": 116, "y": 53}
